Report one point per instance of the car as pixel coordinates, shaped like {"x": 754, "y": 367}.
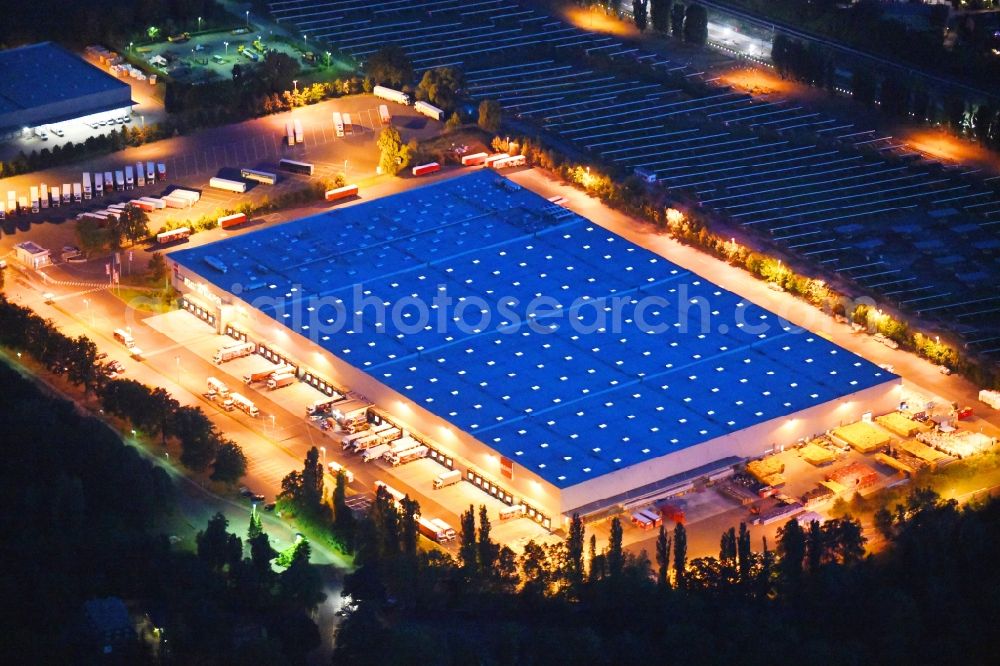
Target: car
{"x": 944, "y": 369}
{"x": 246, "y": 492}
{"x": 258, "y": 498}
{"x": 126, "y": 119}
{"x": 270, "y": 506}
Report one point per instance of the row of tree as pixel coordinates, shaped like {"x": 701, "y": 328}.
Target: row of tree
{"x": 90, "y": 517}
{"x": 151, "y": 410}
{"x": 815, "y": 597}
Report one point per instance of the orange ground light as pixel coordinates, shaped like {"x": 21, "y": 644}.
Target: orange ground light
{"x": 943, "y": 146}
{"x": 757, "y": 82}
{"x": 595, "y": 20}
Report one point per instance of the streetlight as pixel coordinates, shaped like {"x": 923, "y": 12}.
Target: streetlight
{"x": 295, "y": 84}
{"x": 323, "y": 450}
{"x": 130, "y": 47}
{"x": 226, "y": 44}
{"x": 248, "y": 19}
{"x": 327, "y": 58}
{"x": 199, "y": 24}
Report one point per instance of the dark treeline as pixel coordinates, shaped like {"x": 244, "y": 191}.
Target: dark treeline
{"x": 82, "y": 22}
{"x": 153, "y": 411}
{"x": 81, "y": 516}
{"x": 813, "y": 597}
{"x": 897, "y": 98}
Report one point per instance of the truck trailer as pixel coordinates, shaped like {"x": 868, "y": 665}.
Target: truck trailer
{"x": 227, "y": 184}
{"x": 424, "y": 169}
{"x": 234, "y": 351}
{"x": 344, "y": 192}
{"x": 449, "y": 478}
{"x": 227, "y": 221}
{"x": 392, "y": 95}
{"x": 244, "y": 404}
{"x": 428, "y": 110}
{"x": 88, "y": 190}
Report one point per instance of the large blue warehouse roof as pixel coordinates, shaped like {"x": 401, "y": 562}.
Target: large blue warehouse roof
{"x": 42, "y": 74}
{"x": 570, "y": 403}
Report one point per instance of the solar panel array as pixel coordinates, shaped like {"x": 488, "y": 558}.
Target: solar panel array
{"x": 629, "y": 358}
{"x": 814, "y": 183}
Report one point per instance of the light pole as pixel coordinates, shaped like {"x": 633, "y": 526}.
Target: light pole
{"x": 295, "y": 85}
{"x": 199, "y": 24}
{"x": 323, "y": 451}
{"x": 248, "y": 19}
{"x": 226, "y": 44}
{"x": 130, "y": 47}
{"x": 327, "y": 58}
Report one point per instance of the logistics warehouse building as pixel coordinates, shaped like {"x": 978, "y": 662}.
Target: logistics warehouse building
{"x": 44, "y": 83}
{"x": 547, "y": 356}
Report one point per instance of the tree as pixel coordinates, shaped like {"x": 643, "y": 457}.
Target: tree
{"x": 394, "y": 155}
{"x": 216, "y": 546}
{"x": 574, "y": 553}
{"x": 453, "y": 123}
{"x": 230, "y": 463}
{"x": 791, "y": 553}
{"x": 659, "y": 11}
{"x": 81, "y": 362}
{"x": 441, "y": 86}
{"x": 132, "y": 224}
{"x": 486, "y": 548}
{"x": 256, "y": 528}
{"x": 677, "y": 20}
{"x": 468, "y": 550}
{"x": 696, "y": 25}
{"x": 343, "y": 519}
{"x": 615, "y": 6}
{"x": 198, "y": 437}
{"x": 680, "y": 555}
{"x": 301, "y": 583}
{"x": 490, "y": 115}
{"x": 615, "y": 555}
{"x": 157, "y": 267}
{"x": 744, "y": 554}
{"x": 639, "y": 14}
{"x": 93, "y": 239}
{"x": 312, "y": 481}
{"x": 408, "y": 511}
{"x": 275, "y": 72}
{"x": 390, "y": 66}
{"x": 662, "y": 557}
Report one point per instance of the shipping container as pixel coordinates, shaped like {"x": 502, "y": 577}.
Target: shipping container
{"x": 344, "y": 192}
{"x": 475, "y": 159}
{"x": 227, "y": 221}
{"x": 424, "y": 169}
{"x": 173, "y": 236}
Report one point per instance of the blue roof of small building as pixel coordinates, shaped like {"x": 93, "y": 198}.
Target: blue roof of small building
{"x": 43, "y": 73}
{"x": 684, "y": 361}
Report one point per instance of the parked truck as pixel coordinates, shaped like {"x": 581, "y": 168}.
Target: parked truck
{"x": 424, "y": 169}
{"x": 374, "y": 453}
{"x": 33, "y": 190}
{"x": 217, "y": 388}
{"x": 336, "y": 468}
{"x": 56, "y": 199}
{"x": 322, "y": 406}
{"x": 449, "y": 478}
{"x": 395, "y": 494}
{"x": 409, "y": 455}
{"x": 299, "y": 134}
{"x": 140, "y": 175}
{"x": 43, "y": 194}
{"x": 129, "y": 177}
{"x": 345, "y": 192}
{"x": 392, "y": 95}
{"x": 435, "y": 529}
{"x": 98, "y": 184}
{"x": 245, "y": 405}
{"x": 234, "y": 351}
{"x": 290, "y": 133}
{"x": 384, "y": 115}
{"x": 88, "y": 190}
{"x": 77, "y": 193}
{"x": 338, "y": 123}
{"x": 229, "y": 221}
{"x": 67, "y": 193}
{"x": 119, "y": 180}
{"x": 150, "y": 173}
{"x": 258, "y": 376}
{"x": 280, "y": 381}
